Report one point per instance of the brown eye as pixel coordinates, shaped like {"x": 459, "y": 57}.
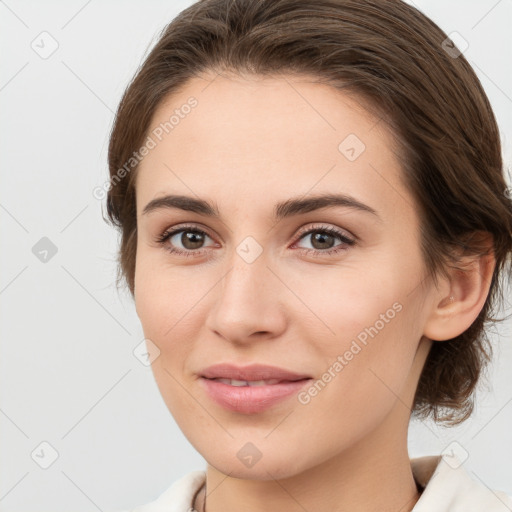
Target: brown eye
{"x": 184, "y": 241}
{"x": 191, "y": 239}
{"x": 323, "y": 240}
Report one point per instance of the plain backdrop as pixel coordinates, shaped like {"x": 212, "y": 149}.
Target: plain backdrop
{"x": 69, "y": 377}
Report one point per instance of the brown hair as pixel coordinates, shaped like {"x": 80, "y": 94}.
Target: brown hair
{"x": 401, "y": 65}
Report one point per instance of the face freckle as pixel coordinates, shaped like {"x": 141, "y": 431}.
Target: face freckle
{"x": 351, "y": 319}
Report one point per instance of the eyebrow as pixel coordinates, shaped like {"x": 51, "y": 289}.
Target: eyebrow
{"x": 288, "y": 208}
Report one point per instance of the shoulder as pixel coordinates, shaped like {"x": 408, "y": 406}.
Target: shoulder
{"x": 449, "y": 487}
{"x": 177, "y": 498}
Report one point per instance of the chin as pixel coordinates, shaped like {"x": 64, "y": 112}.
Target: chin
{"x": 275, "y": 465}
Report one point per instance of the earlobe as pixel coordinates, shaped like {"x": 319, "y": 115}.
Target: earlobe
{"x": 454, "y": 312}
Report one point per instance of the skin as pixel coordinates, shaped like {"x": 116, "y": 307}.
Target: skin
{"x": 250, "y": 143}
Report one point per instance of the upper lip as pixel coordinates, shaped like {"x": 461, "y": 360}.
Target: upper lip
{"x": 250, "y": 372}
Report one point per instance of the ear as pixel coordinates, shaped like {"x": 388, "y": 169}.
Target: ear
{"x": 461, "y": 297}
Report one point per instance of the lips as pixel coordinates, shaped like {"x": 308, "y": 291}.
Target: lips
{"x": 254, "y": 372}
{"x": 250, "y": 389}
{"x": 235, "y": 382}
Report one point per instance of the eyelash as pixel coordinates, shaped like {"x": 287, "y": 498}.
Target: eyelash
{"x": 166, "y": 235}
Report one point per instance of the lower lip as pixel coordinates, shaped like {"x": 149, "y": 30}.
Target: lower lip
{"x": 251, "y": 399}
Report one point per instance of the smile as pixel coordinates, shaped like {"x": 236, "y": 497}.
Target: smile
{"x": 250, "y": 397}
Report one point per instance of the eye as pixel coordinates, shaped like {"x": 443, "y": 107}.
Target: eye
{"x": 191, "y": 239}
{"x": 324, "y": 238}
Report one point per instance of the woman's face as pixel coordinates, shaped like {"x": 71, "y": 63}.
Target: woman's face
{"x": 332, "y": 291}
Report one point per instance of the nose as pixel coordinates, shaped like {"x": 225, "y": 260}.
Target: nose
{"x": 247, "y": 302}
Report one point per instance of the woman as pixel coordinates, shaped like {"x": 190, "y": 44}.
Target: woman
{"x": 316, "y": 230}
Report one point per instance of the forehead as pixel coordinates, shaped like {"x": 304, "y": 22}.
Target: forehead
{"x": 261, "y": 135}
{"x": 291, "y": 108}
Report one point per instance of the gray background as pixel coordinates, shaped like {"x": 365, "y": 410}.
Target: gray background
{"x": 68, "y": 373}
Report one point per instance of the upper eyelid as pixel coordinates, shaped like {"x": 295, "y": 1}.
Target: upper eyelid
{"x": 322, "y": 227}
{"x": 193, "y": 227}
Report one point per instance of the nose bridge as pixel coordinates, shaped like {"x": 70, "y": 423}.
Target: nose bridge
{"x": 245, "y": 300}
{"x": 248, "y": 274}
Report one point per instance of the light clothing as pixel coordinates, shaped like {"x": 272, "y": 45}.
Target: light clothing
{"x": 446, "y": 484}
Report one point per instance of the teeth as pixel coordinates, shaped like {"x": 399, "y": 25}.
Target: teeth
{"x": 234, "y": 382}
{"x": 260, "y": 382}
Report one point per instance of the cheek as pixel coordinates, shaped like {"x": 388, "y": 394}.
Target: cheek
{"x": 169, "y": 303}
{"x": 364, "y": 327}
{"x": 342, "y": 304}
{"x": 162, "y": 297}
{"x": 160, "y": 310}
{"x": 364, "y": 381}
